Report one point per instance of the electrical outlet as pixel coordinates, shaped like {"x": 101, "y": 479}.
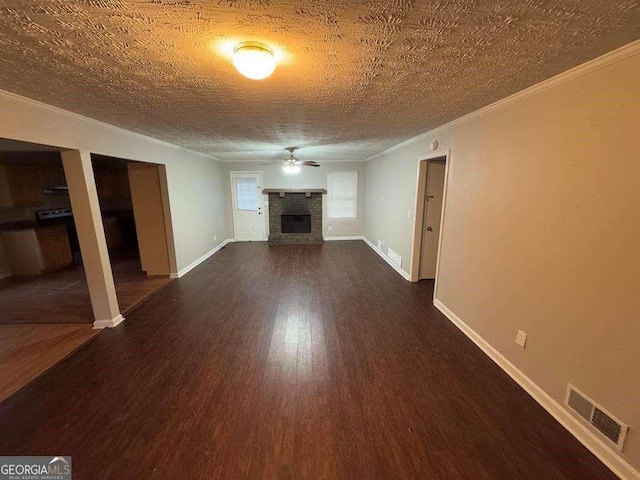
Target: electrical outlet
{"x": 408, "y": 213}
{"x": 330, "y": 227}
{"x": 379, "y": 244}
{"x": 521, "y": 338}
{"x": 215, "y": 237}
{"x": 384, "y": 241}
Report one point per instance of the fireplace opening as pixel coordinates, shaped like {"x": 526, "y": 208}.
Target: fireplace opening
{"x": 296, "y": 223}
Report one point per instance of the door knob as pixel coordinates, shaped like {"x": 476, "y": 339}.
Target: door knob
{"x": 429, "y": 229}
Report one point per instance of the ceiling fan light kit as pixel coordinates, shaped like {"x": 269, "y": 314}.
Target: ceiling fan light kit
{"x": 291, "y": 164}
{"x": 254, "y": 60}
{"x": 291, "y": 169}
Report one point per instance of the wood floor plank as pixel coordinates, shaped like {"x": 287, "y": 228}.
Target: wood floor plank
{"x": 62, "y": 297}
{"x": 29, "y": 350}
{"x": 290, "y": 362}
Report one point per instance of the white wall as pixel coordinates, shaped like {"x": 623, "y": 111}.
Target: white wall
{"x": 195, "y": 182}
{"x": 541, "y": 231}
{"x": 309, "y": 177}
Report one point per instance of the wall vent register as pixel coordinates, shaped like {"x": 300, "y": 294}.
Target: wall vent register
{"x": 395, "y": 257}
{"x": 598, "y": 419}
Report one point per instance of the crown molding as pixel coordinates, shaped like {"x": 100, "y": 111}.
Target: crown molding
{"x": 60, "y": 111}
{"x": 586, "y": 68}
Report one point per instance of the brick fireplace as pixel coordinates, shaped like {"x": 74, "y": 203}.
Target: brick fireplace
{"x": 295, "y": 216}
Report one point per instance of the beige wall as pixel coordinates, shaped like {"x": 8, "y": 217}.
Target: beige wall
{"x": 198, "y": 208}
{"x": 309, "y": 177}
{"x": 541, "y": 232}
{"x": 195, "y": 182}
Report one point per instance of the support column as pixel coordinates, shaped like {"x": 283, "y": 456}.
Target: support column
{"x": 93, "y": 244}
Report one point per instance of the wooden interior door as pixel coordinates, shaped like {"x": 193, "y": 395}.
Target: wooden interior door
{"x": 431, "y": 224}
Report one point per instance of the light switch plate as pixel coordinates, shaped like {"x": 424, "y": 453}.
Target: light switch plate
{"x": 521, "y": 338}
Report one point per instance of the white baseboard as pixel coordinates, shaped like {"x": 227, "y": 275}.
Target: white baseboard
{"x": 333, "y": 239}
{"x": 611, "y": 459}
{"x": 114, "y": 322}
{"x": 404, "y": 274}
{"x": 193, "y": 265}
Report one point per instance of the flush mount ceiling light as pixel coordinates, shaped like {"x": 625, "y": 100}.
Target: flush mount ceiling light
{"x": 254, "y": 60}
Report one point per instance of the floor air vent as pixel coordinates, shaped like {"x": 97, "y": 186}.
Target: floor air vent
{"x": 599, "y": 420}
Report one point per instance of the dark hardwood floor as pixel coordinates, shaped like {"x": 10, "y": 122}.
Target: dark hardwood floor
{"x": 289, "y": 362}
{"x": 27, "y": 351}
{"x": 62, "y": 297}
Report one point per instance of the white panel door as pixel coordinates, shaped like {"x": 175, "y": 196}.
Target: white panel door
{"x": 246, "y": 193}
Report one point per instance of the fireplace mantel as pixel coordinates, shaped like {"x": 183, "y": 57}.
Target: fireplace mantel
{"x": 284, "y": 191}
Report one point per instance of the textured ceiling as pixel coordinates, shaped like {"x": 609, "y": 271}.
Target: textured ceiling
{"x": 354, "y": 77}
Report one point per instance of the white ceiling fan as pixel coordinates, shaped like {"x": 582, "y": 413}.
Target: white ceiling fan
{"x": 291, "y": 163}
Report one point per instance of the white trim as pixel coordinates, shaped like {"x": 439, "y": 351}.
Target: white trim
{"x": 611, "y": 459}
{"x": 404, "y": 274}
{"x": 114, "y": 322}
{"x": 59, "y": 111}
{"x": 353, "y": 237}
{"x": 591, "y": 66}
{"x": 194, "y": 264}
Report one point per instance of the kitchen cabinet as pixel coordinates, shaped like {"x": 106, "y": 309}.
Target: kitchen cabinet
{"x": 20, "y": 186}
{"x": 34, "y": 251}
{"x": 55, "y": 251}
{"x": 52, "y": 176}
{"x": 112, "y": 184}
{"x": 113, "y": 233}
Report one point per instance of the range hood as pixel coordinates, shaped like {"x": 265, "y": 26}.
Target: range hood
{"x": 55, "y": 190}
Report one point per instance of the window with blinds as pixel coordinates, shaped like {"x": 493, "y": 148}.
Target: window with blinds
{"x": 342, "y": 195}
{"x": 247, "y": 194}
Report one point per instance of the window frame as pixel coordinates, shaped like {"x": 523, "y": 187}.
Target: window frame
{"x": 330, "y": 193}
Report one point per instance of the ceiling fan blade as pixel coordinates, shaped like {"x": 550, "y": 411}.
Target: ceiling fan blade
{"x": 310, "y": 164}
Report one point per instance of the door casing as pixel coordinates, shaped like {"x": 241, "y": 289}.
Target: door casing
{"x": 418, "y": 218}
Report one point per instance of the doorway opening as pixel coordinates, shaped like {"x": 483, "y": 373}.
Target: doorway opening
{"x": 430, "y": 207}
{"x": 247, "y": 203}
{"x": 46, "y": 309}
{"x": 134, "y": 207}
